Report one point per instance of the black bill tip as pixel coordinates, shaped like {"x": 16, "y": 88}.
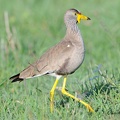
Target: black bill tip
{"x": 88, "y": 18}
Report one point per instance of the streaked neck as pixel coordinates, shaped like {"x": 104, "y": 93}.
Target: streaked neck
{"x": 73, "y": 32}
{"x": 72, "y": 27}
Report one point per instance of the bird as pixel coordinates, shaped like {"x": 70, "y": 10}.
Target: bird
{"x": 62, "y": 59}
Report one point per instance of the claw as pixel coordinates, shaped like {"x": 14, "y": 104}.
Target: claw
{"x": 89, "y": 108}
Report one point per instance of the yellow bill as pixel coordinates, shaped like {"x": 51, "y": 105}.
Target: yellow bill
{"x": 82, "y": 17}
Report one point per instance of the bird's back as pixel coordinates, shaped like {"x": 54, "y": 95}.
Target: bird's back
{"x": 64, "y": 58}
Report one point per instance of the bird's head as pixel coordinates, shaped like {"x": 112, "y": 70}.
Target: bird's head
{"x": 74, "y": 16}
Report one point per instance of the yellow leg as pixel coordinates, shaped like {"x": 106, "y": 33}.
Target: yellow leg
{"x": 52, "y": 95}
{"x": 68, "y": 94}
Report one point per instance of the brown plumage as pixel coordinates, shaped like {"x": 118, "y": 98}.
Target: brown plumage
{"x": 63, "y": 58}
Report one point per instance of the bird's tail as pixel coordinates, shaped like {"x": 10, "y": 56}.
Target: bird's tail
{"x": 16, "y": 78}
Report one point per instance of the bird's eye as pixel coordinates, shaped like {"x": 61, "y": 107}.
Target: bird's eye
{"x": 75, "y": 14}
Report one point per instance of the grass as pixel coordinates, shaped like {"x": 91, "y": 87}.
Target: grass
{"x": 37, "y": 25}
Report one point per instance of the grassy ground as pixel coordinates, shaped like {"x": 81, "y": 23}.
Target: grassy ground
{"x": 36, "y": 25}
